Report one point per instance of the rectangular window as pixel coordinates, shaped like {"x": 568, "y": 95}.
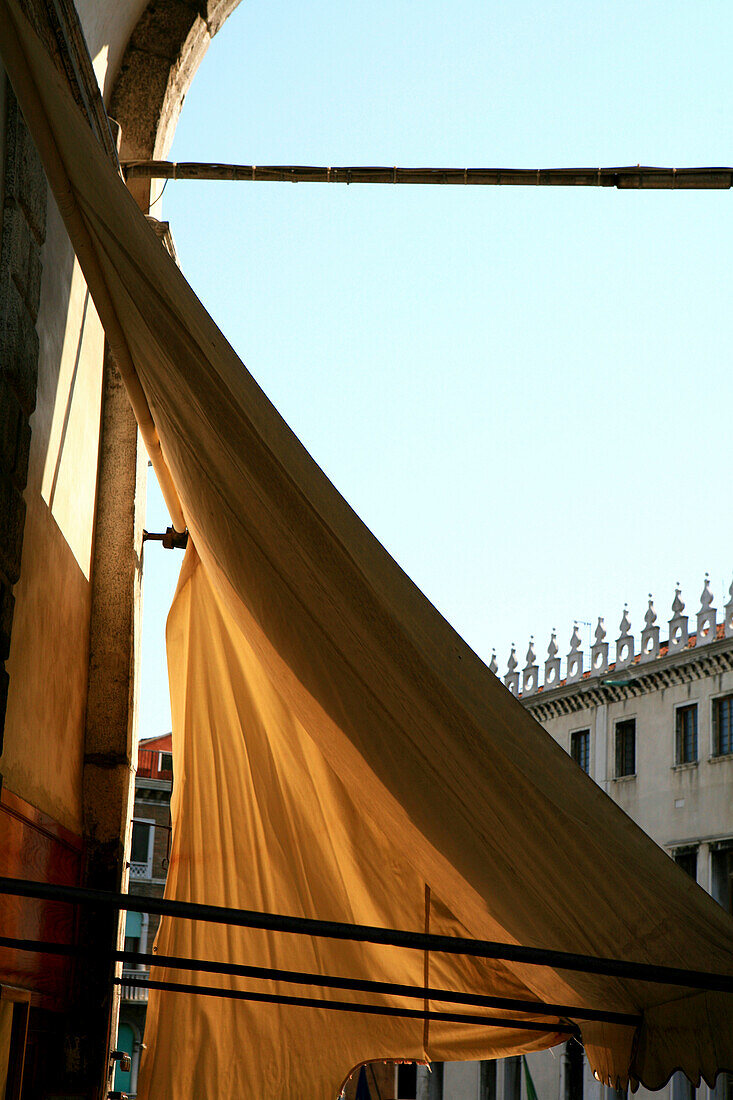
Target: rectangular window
{"x": 721, "y": 860}
{"x": 686, "y": 858}
{"x": 435, "y": 1082}
{"x": 626, "y": 747}
{"x": 723, "y": 726}
{"x": 573, "y": 1070}
{"x": 407, "y": 1081}
{"x": 141, "y": 849}
{"x": 686, "y": 734}
{"x": 512, "y": 1078}
{"x": 487, "y": 1086}
{"x": 681, "y": 1088}
{"x": 580, "y": 749}
{"x": 723, "y": 1087}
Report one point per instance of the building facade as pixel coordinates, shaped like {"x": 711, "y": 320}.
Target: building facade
{"x": 148, "y": 866}
{"x": 651, "y": 722}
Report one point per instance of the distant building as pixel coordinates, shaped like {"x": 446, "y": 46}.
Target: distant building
{"x": 654, "y": 729}
{"x": 149, "y": 852}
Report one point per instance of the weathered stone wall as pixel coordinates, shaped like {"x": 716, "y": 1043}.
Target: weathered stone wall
{"x": 23, "y": 231}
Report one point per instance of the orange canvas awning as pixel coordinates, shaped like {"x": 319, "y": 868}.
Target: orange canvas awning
{"x": 339, "y": 751}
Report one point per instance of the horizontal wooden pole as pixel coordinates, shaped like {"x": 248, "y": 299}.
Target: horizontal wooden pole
{"x": 637, "y": 177}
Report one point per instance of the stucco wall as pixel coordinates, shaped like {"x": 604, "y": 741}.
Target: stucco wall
{"x": 672, "y": 803}
{"x": 154, "y": 49}
{"x": 42, "y": 758}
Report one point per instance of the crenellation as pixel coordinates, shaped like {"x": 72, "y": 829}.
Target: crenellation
{"x": 650, "y": 634}
{"x": 599, "y": 651}
{"x": 575, "y": 658}
{"x": 636, "y": 662}
{"x": 552, "y": 664}
{"x": 706, "y": 616}
{"x": 625, "y": 641}
{"x": 511, "y": 680}
{"x": 531, "y": 671}
{"x": 678, "y": 630}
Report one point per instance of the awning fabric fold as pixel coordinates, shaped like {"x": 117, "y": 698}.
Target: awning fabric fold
{"x": 340, "y": 753}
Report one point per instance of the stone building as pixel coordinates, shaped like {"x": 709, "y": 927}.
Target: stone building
{"x": 654, "y": 728}
{"x": 149, "y": 853}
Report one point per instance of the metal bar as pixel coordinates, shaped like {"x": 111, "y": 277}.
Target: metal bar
{"x": 417, "y": 941}
{"x": 349, "y": 1006}
{"x": 176, "y": 962}
{"x": 631, "y": 177}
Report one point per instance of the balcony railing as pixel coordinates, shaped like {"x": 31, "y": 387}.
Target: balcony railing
{"x": 141, "y": 870}
{"x": 154, "y": 764}
{"x": 133, "y": 992}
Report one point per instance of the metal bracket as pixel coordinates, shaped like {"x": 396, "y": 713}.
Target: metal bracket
{"x": 171, "y": 539}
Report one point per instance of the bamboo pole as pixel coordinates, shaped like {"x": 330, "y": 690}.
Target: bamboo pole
{"x": 635, "y": 177}
{"x": 30, "y": 101}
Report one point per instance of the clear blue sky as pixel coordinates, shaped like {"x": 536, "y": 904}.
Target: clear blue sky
{"x": 524, "y": 393}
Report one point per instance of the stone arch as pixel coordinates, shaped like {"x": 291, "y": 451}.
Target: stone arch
{"x": 161, "y": 58}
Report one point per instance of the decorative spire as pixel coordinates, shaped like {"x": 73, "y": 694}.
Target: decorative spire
{"x": 625, "y": 641}
{"x": 707, "y": 616}
{"x": 678, "y": 630}
{"x": 625, "y": 624}
{"x": 599, "y": 651}
{"x": 493, "y": 666}
{"x": 552, "y": 664}
{"x": 575, "y": 639}
{"x": 511, "y": 679}
{"x": 530, "y": 672}
{"x": 677, "y": 604}
{"x": 650, "y": 634}
{"x": 575, "y": 657}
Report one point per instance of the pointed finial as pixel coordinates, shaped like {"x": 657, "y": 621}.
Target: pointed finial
{"x": 677, "y": 603}
{"x": 625, "y": 624}
{"x": 600, "y": 631}
{"x": 730, "y": 590}
{"x": 575, "y": 639}
{"x": 512, "y": 662}
{"x": 552, "y": 647}
{"x": 493, "y": 666}
{"x": 706, "y": 597}
{"x": 651, "y": 616}
{"x": 531, "y": 655}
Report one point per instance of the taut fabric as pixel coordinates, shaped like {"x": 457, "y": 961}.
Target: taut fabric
{"x": 339, "y": 749}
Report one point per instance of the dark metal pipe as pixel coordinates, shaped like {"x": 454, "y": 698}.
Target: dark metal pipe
{"x": 417, "y": 941}
{"x": 348, "y": 1006}
{"x": 176, "y": 962}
